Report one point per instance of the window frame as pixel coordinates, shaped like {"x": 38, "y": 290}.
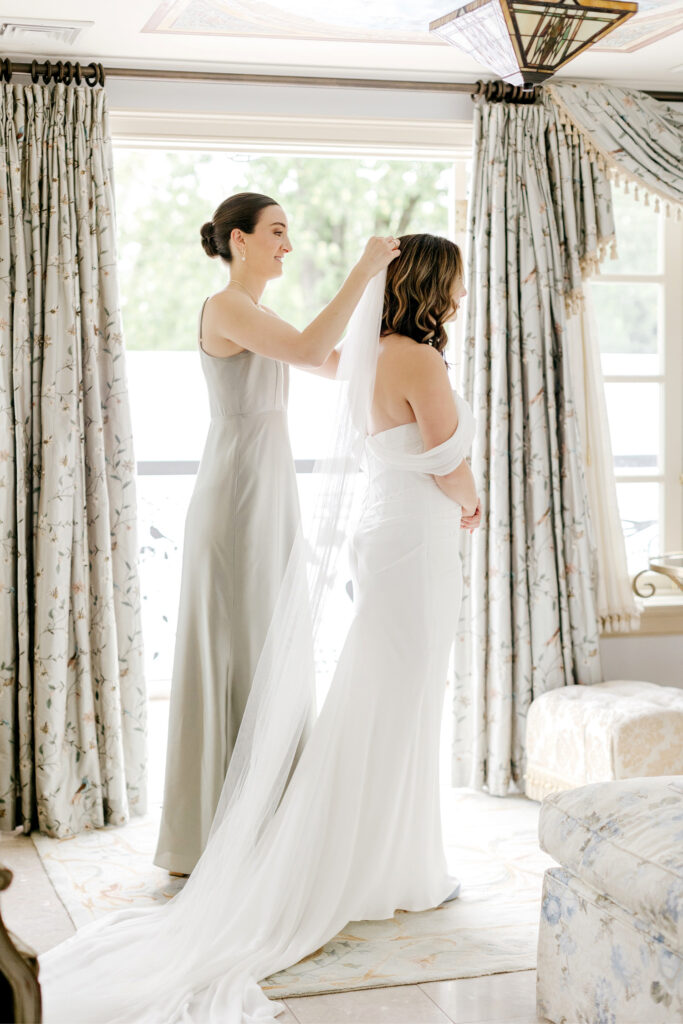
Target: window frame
{"x": 442, "y": 140}
{"x": 438, "y": 140}
{"x": 305, "y": 135}
{"x": 669, "y": 378}
{"x": 663, "y": 612}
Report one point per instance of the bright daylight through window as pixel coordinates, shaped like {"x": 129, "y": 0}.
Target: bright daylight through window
{"x": 163, "y": 196}
{"x": 633, "y": 296}
{"x": 333, "y": 205}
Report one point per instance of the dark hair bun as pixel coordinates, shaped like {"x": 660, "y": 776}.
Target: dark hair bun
{"x": 239, "y": 211}
{"x": 208, "y": 233}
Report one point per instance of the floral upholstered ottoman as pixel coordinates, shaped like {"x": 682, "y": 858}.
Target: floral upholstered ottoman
{"x": 610, "y": 945}
{"x": 616, "y": 730}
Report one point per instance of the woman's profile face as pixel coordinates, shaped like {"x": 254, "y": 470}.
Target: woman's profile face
{"x": 458, "y": 293}
{"x": 268, "y": 244}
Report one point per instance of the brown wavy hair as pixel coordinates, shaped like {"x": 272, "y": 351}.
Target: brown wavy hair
{"x": 417, "y": 297}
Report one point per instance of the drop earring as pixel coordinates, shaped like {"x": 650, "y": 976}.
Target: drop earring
{"x": 244, "y": 258}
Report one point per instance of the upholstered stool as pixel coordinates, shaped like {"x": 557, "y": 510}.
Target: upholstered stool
{"x": 611, "y": 931}
{"x": 615, "y": 730}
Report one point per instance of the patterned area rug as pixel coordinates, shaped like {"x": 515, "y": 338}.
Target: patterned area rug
{"x": 491, "y": 928}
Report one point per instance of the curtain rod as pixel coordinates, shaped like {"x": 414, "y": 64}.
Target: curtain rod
{"x": 95, "y": 74}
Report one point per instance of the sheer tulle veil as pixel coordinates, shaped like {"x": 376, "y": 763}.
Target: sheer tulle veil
{"x": 148, "y": 965}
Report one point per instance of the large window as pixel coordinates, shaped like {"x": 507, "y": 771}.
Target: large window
{"x": 163, "y": 196}
{"x": 637, "y": 301}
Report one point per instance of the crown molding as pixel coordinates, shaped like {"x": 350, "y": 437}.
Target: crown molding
{"x": 260, "y": 133}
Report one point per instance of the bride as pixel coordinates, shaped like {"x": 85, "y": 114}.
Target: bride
{"x": 355, "y": 832}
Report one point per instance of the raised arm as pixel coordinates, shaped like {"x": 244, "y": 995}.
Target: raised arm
{"x": 428, "y": 390}
{"x": 234, "y": 317}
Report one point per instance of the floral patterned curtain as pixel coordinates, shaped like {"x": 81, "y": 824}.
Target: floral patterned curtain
{"x": 638, "y": 140}
{"x": 72, "y": 700}
{"x": 540, "y": 217}
{"x": 630, "y": 134}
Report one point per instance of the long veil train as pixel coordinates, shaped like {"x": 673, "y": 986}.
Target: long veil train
{"x": 293, "y": 857}
{"x": 147, "y": 965}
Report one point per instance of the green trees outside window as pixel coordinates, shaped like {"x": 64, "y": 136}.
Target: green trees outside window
{"x": 333, "y": 204}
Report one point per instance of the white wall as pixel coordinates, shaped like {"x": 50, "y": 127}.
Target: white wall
{"x": 653, "y": 659}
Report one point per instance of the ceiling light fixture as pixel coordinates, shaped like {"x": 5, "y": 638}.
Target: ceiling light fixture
{"x": 526, "y": 41}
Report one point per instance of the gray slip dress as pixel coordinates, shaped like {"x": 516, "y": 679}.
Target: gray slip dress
{"x": 240, "y": 526}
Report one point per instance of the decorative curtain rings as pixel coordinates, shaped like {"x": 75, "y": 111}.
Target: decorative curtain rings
{"x": 96, "y": 76}
{"x": 63, "y": 71}
{"x": 498, "y": 91}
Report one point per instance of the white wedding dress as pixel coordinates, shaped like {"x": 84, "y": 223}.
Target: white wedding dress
{"x": 357, "y": 833}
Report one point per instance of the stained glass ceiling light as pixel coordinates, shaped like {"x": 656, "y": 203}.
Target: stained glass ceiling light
{"x": 526, "y": 41}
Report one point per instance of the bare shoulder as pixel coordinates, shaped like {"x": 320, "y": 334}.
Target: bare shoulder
{"x": 228, "y": 305}
{"x": 223, "y": 314}
{"x": 271, "y": 312}
{"x": 227, "y": 302}
{"x": 404, "y": 355}
{"x": 231, "y": 320}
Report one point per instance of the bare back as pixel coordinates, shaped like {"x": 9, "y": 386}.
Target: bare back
{"x": 412, "y": 386}
{"x": 390, "y": 405}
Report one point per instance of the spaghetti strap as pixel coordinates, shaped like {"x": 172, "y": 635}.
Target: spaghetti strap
{"x": 201, "y": 317}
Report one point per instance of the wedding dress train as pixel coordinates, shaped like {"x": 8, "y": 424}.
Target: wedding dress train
{"x": 356, "y": 833}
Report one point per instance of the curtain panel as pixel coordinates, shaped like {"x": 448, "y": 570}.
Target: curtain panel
{"x": 637, "y": 140}
{"x": 617, "y": 609}
{"x": 630, "y": 134}
{"x": 539, "y": 219}
{"x": 72, "y": 700}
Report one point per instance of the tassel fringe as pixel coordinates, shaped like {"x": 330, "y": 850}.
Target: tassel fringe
{"x": 618, "y": 622}
{"x": 643, "y": 191}
{"x": 590, "y": 266}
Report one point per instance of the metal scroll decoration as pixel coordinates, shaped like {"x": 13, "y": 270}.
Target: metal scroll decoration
{"x": 670, "y": 565}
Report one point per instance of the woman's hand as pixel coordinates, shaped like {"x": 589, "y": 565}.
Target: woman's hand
{"x": 379, "y": 253}
{"x": 472, "y": 522}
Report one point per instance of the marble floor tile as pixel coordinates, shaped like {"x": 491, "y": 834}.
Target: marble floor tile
{"x": 287, "y": 1017}
{"x": 404, "y": 1004}
{"x": 494, "y": 998}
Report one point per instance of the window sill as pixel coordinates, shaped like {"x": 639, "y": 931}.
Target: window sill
{"x": 659, "y": 615}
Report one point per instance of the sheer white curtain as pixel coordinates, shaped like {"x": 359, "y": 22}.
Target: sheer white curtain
{"x": 617, "y": 610}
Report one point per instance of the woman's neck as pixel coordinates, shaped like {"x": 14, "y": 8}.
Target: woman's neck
{"x": 252, "y": 286}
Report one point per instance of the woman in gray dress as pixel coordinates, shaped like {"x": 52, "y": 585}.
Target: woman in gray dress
{"x": 244, "y": 510}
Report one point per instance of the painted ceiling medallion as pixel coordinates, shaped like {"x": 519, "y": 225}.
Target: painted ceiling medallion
{"x": 382, "y": 21}
{"x": 655, "y": 20}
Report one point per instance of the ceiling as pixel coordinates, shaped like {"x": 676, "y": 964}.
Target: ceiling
{"x": 355, "y": 38}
